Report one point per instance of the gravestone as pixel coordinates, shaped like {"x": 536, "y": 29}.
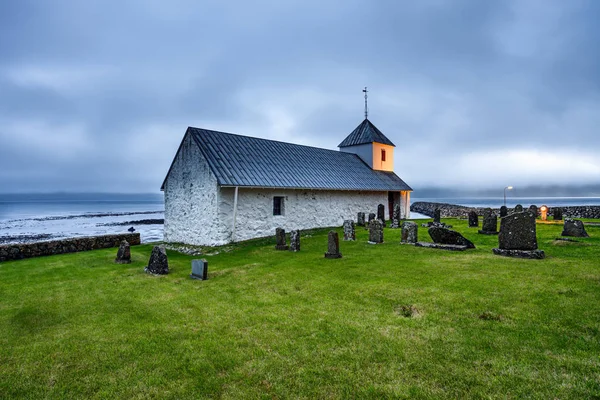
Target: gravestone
{"x": 371, "y": 217}
{"x": 503, "y": 211}
{"x": 517, "y": 236}
{"x": 361, "y": 219}
{"x": 124, "y": 253}
{"x": 489, "y": 225}
{"x": 396, "y": 217}
{"x": 534, "y": 210}
{"x": 448, "y": 236}
{"x": 437, "y": 214}
{"x": 280, "y": 239}
{"x": 381, "y": 214}
{"x": 295, "y": 240}
{"x": 557, "y": 213}
{"x": 574, "y": 227}
{"x": 199, "y": 269}
{"x": 409, "y": 232}
{"x": 349, "y": 233}
{"x": 158, "y": 264}
{"x": 518, "y": 208}
{"x": 333, "y": 245}
{"x": 375, "y": 232}
{"x": 473, "y": 219}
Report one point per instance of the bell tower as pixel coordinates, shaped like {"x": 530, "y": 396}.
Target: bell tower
{"x": 370, "y": 144}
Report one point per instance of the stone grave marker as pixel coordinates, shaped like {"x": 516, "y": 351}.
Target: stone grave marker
{"x": 473, "y": 219}
{"x": 199, "y": 269}
{"x": 410, "y": 231}
{"x": 375, "y": 232}
{"x": 518, "y": 208}
{"x": 333, "y": 245}
{"x": 295, "y": 240}
{"x": 349, "y": 233}
{"x": 490, "y": 223}
{"x": 361, "y": 219}
{"x": 534, "y": 210}
{"x": 437, "y": 215}
{"x": 574, "y": 228}
{"x": 124, "y": 253}
{"x": 371, "y": 217}
{"x": 396, "y": 217}
{"x": 448, "y": 236}
{"x": 557, "y": 213}
{"x": 517, "y": 237}
{"x": 158, "y": 263}
{"x": 381, "y": 214}
{"x": 503, "y": 211}
{"x": 280, "y": 239}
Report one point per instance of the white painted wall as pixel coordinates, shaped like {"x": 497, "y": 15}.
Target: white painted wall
{"x": 191, "y": 200}
{"x": 364, "y": 151}
{"x": 303, "y": 209}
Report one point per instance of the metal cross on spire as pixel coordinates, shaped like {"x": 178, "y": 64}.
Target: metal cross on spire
{"x": 365, "y": 91}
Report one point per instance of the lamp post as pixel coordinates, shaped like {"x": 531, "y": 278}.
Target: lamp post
{"x": 509, "y": 188}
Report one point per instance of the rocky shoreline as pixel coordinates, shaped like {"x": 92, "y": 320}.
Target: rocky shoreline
{"x": 457, "y": 211}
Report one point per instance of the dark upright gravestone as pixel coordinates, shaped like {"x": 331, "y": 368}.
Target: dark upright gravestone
{"x": 409, "y": 232}
{"x": 448, "y": 236}
{"x": 375, "y": 232}
{"x": 490, "y": 223}
{"x": 503, "y": 211}
{"x": 574, "y": 227}
{"x": 295, "y": 240}
{"x": 333, "y": 245}
{"x": 517, "y": 236}
{"x": 371, "y": 218}
{"x": 473, "y": 219}
{"x": 349, "y": 232}
{"x": 199, "y": 269}
{"x": 158, "y": 264}
{"x": 280, "y": 239}
{"x": 518, "y": 208}
{"x": 360, "y": 221}
{"x": 534, "y": 210}
{"x": 396, "y": 217}
{"x": 557, "y": 213}
{"x": 124, "y": 253}
{"x": 381, "y": 214}
{"x": 437, "y": 214}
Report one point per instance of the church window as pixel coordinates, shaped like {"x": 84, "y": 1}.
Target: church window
{"x": 277, "y": 205}
{"x": 382, "y": 155}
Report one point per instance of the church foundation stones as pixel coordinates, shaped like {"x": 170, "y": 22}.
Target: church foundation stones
{"x": 574, "y": 228}
{"x": 333, "y": 245}
{"x": 409, "y": 232}
{"x": 124, "y": 253}
{"x": 517, "y": 237}
{"x": 375, "y": 232}
{"x": 158, "y": 264}
{"x": 295, "y": 240}
{"x": 490, "y": 223}
{"x": 280, "y": 239}
{"x": 473, "y": 219}
{"x": 349, "y": 232}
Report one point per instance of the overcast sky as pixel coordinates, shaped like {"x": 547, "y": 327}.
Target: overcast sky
{"x": 96, "y": 95}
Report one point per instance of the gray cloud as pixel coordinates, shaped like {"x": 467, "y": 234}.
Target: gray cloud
{"x": 97, "y": 95}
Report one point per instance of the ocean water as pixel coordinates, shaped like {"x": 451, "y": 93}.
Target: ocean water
{"x": 34, "y": 217}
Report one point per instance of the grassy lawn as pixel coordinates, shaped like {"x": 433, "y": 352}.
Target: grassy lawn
{"x": 385, "y": 321}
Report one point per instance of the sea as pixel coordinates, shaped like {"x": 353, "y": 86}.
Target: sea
{"x": 37, "y": 217}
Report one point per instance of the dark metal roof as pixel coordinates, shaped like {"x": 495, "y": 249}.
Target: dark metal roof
{"x": 366, "y": 132}
{"x": 247, "y": 161}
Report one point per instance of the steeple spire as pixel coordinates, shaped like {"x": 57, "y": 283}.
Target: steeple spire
{"x": 365, "y": 91}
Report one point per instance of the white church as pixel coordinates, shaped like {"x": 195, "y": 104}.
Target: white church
{"x": 224, "y": 188}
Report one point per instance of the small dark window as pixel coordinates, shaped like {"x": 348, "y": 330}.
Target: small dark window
{"x": 382, "y": 155}
{"x": 277, "y": 205}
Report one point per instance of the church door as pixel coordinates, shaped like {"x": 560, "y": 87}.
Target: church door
{"x": 393, "y": 199}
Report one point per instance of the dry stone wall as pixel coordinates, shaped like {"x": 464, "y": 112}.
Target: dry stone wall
{"x": 457, "y": 211}
{"x": 28, "y": 250}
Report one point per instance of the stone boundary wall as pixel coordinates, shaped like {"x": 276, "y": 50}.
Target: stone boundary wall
{"x": 456, "y": 211}
{"x": 37, "y": 249}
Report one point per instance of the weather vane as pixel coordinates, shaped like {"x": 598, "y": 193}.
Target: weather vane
{"x": 365, "y": 91}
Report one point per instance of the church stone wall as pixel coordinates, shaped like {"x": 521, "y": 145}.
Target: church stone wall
{"x": 191, "y": 200}
{"x": 303, "y": 209}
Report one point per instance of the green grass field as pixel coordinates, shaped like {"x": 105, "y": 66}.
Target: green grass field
{"x": 385, "y": 321}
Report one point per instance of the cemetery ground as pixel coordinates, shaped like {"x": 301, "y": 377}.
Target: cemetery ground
{"x": 384, "y": 321}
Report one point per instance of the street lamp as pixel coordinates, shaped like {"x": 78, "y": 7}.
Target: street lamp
{"x": 509, "y": 188}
